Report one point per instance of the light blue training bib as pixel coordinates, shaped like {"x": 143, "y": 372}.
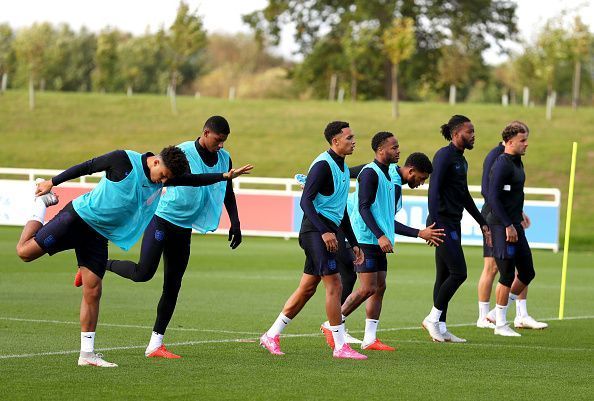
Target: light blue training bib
{"x": 120, "y": 211}
{"x": 332, "y": 206}
{"x": 199, "y": 208}
{"x": 383, "y": 209}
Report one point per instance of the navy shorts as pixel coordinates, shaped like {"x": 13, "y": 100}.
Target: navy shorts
{"x": 508, "y": 250}
{"x": 68, "y": 231}
{"x": 318, "y": 260}
{"x": 375, "y": 260}
{"x": 487, "y": 250}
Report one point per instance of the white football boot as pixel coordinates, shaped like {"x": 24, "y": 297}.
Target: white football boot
{"x": 528, "y": 322}
{"x": 94, "y": 359}
{"x": 506, "y": 331}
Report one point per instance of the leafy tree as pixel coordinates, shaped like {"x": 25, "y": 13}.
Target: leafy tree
{"x": 185, "y": 39}
{"x": 6, "y": 51}
{"x": 31, "y": 47}
{"x": 70, "y": 59}
{"x": 356, "y": 43}
{"x": 478, "y": 22}
{"x": 453, "y": 68}
{"x": 399, "y": 45}
{"x": 580, "y": 42}
{"x": 105, "y": 73}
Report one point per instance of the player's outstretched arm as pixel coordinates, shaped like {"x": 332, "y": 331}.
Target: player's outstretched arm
{"x": 236, "y": 172}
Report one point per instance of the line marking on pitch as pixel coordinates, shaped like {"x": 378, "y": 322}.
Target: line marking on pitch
{"x": 129, "y": 326}
{"x": 252, "y": 339}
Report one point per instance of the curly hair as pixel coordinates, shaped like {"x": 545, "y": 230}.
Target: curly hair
{"x": 175, "y": 160}
{"x": 453, "y": 125}
{"x": 514, "y": 128}
{"x": 217, "y": 124}
{"x": 420, "y": 162}
{"x": 334, "y": 128}
{"x": 379, "y": 138}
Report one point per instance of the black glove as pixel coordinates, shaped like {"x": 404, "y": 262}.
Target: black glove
{"x": 234, "y": 237}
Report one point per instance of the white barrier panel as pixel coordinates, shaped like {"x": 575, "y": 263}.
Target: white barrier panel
{"x": 276, "y": 212}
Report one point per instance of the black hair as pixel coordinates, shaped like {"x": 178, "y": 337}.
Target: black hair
{"x": 218, "y": 125}
{"x": 334, "y": 128}
{"x": 379, "y": 138}
{"x": 514, "y": 128}
{"x": 175, "y": 160}
{"x": 420, "y": 162}
{"x": 452, "y": 126}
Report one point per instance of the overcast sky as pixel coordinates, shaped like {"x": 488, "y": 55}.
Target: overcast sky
{"x": 225, "y": 15}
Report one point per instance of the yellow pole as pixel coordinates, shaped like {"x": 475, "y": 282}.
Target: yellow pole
{"x": 567, "y": 230}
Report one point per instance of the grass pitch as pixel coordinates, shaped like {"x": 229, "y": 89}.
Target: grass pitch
{"x": 229, "y": 298}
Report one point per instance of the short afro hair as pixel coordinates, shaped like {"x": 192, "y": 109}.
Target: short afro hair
{"x": 420, "y": 162}
{"x": 334, "y": 128}
{"x": 218, "y": 125}
{"x": 514, "y": 128}
{"x": 379, "y": 139}
{"x": 175, "y": 160}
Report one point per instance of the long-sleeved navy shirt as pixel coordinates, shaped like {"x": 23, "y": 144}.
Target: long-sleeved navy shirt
{"x": 487, "y": 164}
{"x": 506, "y": 190}
{"x": 319, "y": 180}
{"x": 210, "y": 159}
{"x": 368, "y": 183}
{"x": 448, "y": 188}
{"x": 117, "y": 166}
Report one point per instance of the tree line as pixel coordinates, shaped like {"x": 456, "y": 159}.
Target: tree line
{"x": 362, "y": 49}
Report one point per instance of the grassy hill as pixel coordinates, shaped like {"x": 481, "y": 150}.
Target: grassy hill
{"x": 281, "y": 137}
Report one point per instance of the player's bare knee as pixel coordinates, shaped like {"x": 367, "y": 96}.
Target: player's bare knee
{"x": 368, "y": 290}
{"x": 381, "y": 290}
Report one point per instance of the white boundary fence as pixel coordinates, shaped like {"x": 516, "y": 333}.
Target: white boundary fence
{"x": 270, "y": 206}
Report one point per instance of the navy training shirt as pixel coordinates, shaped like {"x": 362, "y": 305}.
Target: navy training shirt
{"x": 448, "y": 189}
{"x": 506, "y": 190}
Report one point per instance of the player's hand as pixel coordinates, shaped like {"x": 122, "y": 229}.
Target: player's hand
{"x": 359, "y": 256}
{"x": 330, "y": 241}
{"x": 511, "y": 235}
{"x": 525, "y": 221}
{"x": 236, "y": 172}
{"x": 44, "y": 187}
{"x": 432, "y": 235}
{"x": 487, "y": 235}
{"x": 385, "y": 244}
{"x": 234, "y": 237}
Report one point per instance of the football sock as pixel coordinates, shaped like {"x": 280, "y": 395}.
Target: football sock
{"x": 155, "y": 342}
{"x": 434, "y": 315}
{"x": 87, "y": 341}
{"x": 278, "y": 326}
{"x": 491, "y": 314}
{"x": 370, "y": 331}
{"x": 500, "y": 315}
{"x": 39, "y": 209}
{"x": 442, "y": 327}
{"x": 338, "y": 335}
{"x": 483, "y": 309}
{"x": 521, "y": 308}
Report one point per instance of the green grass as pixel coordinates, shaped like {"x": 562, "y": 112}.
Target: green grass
{"x": 243, "y": 291}
{"x": 282, "y": 137}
